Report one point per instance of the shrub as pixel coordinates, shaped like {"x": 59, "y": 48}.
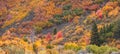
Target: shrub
{"x": 42, "y": 52}
{"x": 71, "y": 46}
{"x": 12, "y": 49}
{"x": 114, "y": 12}
{"x": 57, "y": 19}
{"x": 48, "y": 37}
{"x": 88, "y": 21}
{"x": 67, "y": 15}
{"x": 59, "y": 35}
{"x": 92, "y": 49}
{"x": 52, "y": 51}
{"x": 36, "y": 45}
{"x": 101, "y": 50}
{"x": 99, "y": 1}
{"x": 77, "y": 11}
{"x": 35, "y": 48}
{"x": 66, "y": 12}
{"x": 79, "y": 30}
{"x": 69, "y": 52}
{"x": 58, "y": 22}
{"x": 68, "y": 18}
{"x": 57, "y": 16}
{"x": 25, "y": 39}
{"x": 49, "y": 46}
{"x": 49, "y": 24}
{"x": 76, "y": 19}
{"x": 107, "y": 49}
{"x": 37, "y": 29}
{"x": 67, "y": 7}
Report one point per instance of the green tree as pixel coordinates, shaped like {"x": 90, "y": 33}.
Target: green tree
{"x": 66, "y": 12}
{"x": 116, "y": 30}
{"x": 106, "y": 32}
{"x": 101, "y": 50}
{"x": 106, "y": 29}
{"x": 57, "y": 19}
{"x": 95, "y": 39}
{"x": 55, "y": 31}
{"x": 67, "y": 6}
{"x": 77, "y": 11}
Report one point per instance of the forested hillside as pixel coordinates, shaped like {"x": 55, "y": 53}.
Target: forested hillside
{"x": 59, "y": 26}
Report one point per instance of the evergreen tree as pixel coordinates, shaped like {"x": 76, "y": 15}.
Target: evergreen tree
{"x": 117, "y": 30}
{"x": 95, "y": 39}
{"x": 110, "y": 27}
{"x": 106, "y": 29}
{"x": 55, "y": 31}
{"x": 106, "y": 33}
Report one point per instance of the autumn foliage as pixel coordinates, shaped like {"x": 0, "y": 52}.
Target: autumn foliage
{"x": 48, "y": 37}
{"x": 58, "y": 26}
{"x": 59, "y": 35}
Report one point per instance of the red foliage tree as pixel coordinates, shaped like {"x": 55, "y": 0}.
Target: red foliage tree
{"x": 99, "y": 14}
{"x": 48, "y": 37}
{"x": 59, "y": 35}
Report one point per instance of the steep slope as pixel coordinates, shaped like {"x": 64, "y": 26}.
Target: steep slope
{"x": 29, "y": 17}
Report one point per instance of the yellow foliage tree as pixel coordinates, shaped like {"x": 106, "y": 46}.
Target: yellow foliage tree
{"x": 107, "y": 8}
{"x": 76, "y": 19}
{"x": 113, "y": 12}
{"x": 79, "y": 29}
{"x": 99, "y": 26}
{"x": 92, "y": 15}
{"x": 85, "y": 40}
